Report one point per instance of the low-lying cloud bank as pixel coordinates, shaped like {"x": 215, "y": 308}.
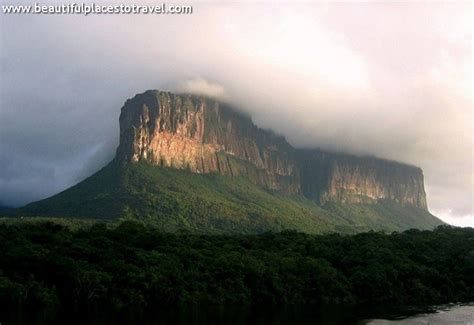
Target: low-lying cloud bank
{"x": 392, "y": 80}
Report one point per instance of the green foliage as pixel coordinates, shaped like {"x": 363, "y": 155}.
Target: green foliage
{"x": 49, "y": 268}
{"x": 175, "y": 200}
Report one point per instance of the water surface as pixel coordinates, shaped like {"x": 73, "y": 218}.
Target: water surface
{"x": 457, "y": 314}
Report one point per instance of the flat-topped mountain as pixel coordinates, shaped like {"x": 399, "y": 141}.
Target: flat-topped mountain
{"x": 203, "y": 136}
{"x": 190, "y": 162}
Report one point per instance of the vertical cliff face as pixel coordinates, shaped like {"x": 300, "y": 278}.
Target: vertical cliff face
{"x": 350, "y": 179}
{"x": 204, "y": 136}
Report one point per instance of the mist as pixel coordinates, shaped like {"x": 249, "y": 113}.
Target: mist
{"x": 384, "y": 79}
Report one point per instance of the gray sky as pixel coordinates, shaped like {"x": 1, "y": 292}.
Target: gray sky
{"x": 389, "y": 79}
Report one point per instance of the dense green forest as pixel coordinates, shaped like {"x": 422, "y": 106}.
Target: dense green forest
{"x": 50, "y": 269}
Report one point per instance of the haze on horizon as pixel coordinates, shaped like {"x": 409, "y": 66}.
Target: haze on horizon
{"x": 386, "y": 79}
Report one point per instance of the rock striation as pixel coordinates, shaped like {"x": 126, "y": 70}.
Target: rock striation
{"x": 204, "y": 136}
{"x": 360, "y": 180}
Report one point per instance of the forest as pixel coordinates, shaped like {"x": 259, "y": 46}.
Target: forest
{"x": 50, "y": 270}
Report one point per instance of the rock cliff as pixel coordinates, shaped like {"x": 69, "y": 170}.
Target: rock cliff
{"x": 351, "y": 179}
{"x": 205, "y": 136}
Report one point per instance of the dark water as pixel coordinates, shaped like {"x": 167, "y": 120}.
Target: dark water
{"x": 379, "y": 315}
{"x": 195, "y": 315}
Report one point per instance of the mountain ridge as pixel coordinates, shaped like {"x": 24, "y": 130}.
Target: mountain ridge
{"x": 189, "y": 162}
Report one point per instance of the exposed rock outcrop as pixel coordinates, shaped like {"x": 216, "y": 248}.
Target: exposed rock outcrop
{"x": 199, "y": 134}
{"x": 204, "y": 136}
{"x": 351, "y": 179}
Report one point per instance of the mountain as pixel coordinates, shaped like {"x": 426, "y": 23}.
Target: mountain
{"x": 203, "y": 136}
{"x": 190, "y": 162}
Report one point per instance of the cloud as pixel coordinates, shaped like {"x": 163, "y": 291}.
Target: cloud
{"x": 390, "y": 79}
{"x": 200, "y": 86}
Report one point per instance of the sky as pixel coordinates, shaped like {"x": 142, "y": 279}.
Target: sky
{"x": 390, "y": 79}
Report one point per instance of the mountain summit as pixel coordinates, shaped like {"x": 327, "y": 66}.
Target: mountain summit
{"x": 190, "y": 162}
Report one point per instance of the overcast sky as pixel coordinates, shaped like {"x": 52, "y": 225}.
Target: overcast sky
{"x": 389, "y": 79}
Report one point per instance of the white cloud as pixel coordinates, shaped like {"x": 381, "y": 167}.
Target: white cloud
{"x": 200, "y": 86}
{"x": 457, "y": 220}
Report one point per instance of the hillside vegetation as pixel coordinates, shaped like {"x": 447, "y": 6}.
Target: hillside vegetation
{"x": 173, "y": 200}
